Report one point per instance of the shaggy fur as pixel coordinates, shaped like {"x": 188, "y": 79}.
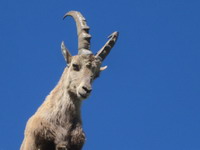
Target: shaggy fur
{"x": 57, "y": 123}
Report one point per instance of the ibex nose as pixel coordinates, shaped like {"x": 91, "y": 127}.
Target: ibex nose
{"x": 88, "y": 90}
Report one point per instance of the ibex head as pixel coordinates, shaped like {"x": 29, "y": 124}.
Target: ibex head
{"x": 86, "y": 66}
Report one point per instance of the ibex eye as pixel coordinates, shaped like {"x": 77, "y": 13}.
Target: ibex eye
{"x": 76, "y": 67}
{"x": 89, "y": 65}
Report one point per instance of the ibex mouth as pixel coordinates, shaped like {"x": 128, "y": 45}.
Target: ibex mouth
{"x": 61, "y": 148}
{"x": 83, "y": 96}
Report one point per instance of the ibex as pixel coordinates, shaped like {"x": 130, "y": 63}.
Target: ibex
{"x": 57, "y": 123}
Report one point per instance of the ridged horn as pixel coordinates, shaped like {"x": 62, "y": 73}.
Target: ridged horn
{"x": 105, "y": 50}
{"x": 82, "y": 32}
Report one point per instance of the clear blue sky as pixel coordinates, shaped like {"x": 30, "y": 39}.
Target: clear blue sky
{"x": 147, "y": 99}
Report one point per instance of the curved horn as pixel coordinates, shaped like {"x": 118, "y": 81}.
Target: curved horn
{"x": 105, "y": 50}
{"x": 82, "y": 32}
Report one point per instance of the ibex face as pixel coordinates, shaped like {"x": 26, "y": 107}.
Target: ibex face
{"x": 84, "y": 67}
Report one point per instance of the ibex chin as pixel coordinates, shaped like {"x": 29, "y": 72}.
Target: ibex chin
{"x": 57, "y": 123}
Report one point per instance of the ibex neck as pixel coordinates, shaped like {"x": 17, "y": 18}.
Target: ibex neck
{"x": 62, "y": 107}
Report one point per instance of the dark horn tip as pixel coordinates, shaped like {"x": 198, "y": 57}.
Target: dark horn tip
{"x": 65, "y": 16}
{"x": 114, "y": 34}
{"x": 70, "y": 13}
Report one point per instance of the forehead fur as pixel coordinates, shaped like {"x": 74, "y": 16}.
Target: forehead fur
{"x": 84, "y": 59}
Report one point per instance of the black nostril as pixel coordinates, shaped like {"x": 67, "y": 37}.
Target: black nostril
{"x": 86, "y": 89}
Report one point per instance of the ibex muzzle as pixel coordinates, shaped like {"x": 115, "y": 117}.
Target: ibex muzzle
{"x": 85, "y": 88}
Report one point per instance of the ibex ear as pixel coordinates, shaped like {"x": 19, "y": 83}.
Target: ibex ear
{"x": 103, "y": 68}
{"x": 66, "y": 53}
